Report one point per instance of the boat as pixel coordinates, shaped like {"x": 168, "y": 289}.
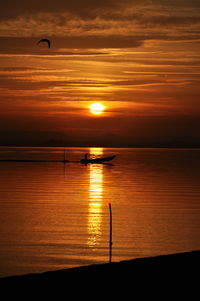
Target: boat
{"x": 97, "y": 160}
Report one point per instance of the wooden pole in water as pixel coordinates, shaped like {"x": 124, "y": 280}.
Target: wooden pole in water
{"x": 110, "y": 242}
{"x": 64, "y": 154}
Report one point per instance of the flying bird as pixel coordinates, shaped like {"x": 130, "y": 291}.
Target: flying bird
{"x": 46, "y": 41}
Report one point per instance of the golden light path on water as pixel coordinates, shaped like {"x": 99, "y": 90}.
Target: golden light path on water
{"x": 95, "y": 200}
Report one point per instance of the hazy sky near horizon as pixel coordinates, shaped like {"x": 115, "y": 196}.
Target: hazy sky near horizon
{"x": 140, "y": 59}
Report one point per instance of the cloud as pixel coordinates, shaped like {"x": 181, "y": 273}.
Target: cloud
{"x": 12, "y": 9}
{"x": 15, "y": 45}
{"x": 85, "y": 9}
{"x": 107, "y": 18}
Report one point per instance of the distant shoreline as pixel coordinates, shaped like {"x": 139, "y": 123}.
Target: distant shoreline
{"x": 114, "y": 147}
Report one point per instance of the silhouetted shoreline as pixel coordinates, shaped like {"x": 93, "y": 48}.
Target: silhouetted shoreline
{"x": 166, "y": 270}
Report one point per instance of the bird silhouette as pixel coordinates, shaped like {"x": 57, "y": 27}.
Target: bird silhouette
{"x": 46, "y": 41}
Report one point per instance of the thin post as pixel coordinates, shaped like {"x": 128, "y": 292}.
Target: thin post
{"x": 110, "y": 241}
{"x": 64, "y": 155}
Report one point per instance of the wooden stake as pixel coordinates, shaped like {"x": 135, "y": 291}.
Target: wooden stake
{"x": 110, "y": 242}
{"x": 64, "y": 155}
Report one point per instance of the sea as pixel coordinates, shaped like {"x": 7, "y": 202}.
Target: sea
{"x": 55, "y": 215}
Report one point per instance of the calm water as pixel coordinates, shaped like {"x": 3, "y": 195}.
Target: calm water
{"x": 55, "y": 215}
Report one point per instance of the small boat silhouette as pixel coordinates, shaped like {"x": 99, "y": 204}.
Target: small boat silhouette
{"x": 97, "y": 160}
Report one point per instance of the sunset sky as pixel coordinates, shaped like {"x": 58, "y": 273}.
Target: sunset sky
{"x": 140, "y": 59}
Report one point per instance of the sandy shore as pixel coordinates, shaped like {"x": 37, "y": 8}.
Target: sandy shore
{"x": 175, "y": 271}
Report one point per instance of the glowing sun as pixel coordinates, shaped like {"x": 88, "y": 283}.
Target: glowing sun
{"x": 96, "y": 108}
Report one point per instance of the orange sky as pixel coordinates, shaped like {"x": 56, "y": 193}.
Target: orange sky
{"x": 140, "y": 59}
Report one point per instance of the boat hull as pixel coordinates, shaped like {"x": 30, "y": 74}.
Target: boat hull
{"x": 97, "y": 160}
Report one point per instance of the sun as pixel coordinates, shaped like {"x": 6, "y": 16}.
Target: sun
{"x": 96, "y": 108}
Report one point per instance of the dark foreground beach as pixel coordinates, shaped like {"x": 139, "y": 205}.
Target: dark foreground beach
{"x": 146, "y": 276}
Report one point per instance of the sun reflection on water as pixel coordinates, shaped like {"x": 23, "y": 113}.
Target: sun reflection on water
{"x": 95, "y": 200}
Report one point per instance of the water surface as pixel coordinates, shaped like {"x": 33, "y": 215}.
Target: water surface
{"x": 55, "y": 215}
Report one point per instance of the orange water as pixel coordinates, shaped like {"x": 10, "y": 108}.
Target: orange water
{"x": 55, "y": 215}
